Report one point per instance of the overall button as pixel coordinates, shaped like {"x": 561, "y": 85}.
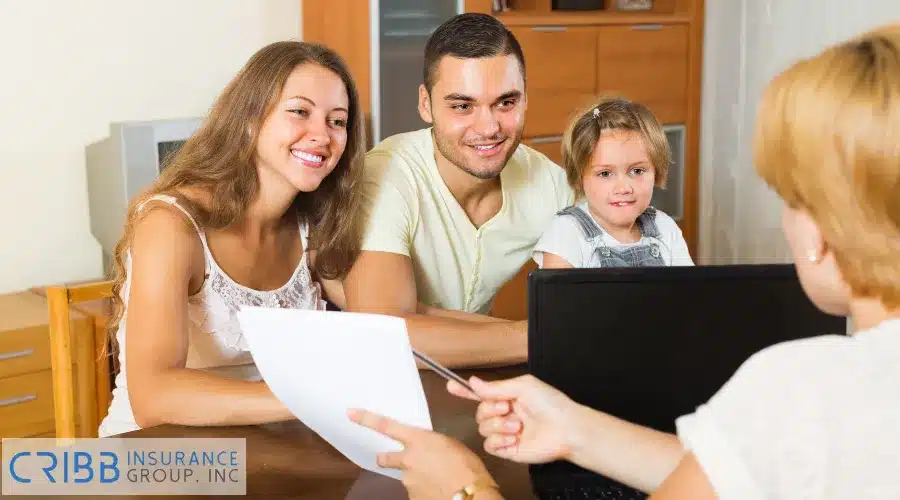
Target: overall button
{"x": 605, "y": 252}
{"x": 654, "y": 251}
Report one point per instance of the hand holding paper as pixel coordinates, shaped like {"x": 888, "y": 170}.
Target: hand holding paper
{"x": 320, "y": 364}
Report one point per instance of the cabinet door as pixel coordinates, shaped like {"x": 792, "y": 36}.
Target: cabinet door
{"x": 558, "y": 57}
{"x": 26, "y": 404}
{"x": 646, "y": 63}
{"x": 550, "y": 146}
{"x": 511, "y": 301}
{"x": 560, "y": 63}
{"x": 549, "y": 111}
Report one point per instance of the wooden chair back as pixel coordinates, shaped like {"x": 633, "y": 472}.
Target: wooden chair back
{"x": 83, "y": 361}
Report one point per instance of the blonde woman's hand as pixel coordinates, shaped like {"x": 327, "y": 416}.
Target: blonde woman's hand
{"x": 523, "y": 419}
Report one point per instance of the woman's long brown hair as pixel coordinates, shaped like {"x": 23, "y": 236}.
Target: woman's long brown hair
{"x": 218, "y": 160}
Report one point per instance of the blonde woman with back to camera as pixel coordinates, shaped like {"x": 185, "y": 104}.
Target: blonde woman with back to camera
{"x": 257, "y": 208}
{"x": 817, "y": 418}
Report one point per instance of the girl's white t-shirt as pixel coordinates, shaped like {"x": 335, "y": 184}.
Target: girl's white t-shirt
{"x": 564, "y": 238}
{"x": 817, "y": 418}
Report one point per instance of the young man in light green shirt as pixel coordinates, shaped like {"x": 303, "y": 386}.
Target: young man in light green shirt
{"x": 453, "y": 211}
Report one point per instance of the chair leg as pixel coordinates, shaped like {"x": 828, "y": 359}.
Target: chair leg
{"x": 85, "y": 372}
{"x": 61, "y": 362}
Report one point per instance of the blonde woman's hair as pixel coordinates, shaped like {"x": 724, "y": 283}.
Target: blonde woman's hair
{"x": 828, "y": 142}
{"x": 611, "y": 114}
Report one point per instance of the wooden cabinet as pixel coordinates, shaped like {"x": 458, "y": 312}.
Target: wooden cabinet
{"x": 26, "y": 404}
{"x": 549, "y": 111}
{"x": 574, "y": 57}
{"x": 647, "y": 63}
{"x": 560, "y": 68}
{"x": 511, "y": 302}
{"x": 26, "y": 383}
{"x": 558, "y": 57}
{"x": 550, "y": 146}
{"x": 567, "y": 68}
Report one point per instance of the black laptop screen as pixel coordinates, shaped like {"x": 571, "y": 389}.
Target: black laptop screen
{"x": 649, "y": 345}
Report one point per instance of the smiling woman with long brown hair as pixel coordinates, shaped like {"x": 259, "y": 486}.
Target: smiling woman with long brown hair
{"x": 257, "y": 208}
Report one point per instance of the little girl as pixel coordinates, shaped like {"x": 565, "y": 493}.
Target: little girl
{"x": 614, "y": 153}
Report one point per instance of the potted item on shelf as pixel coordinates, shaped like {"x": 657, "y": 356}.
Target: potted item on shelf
{"x": 632, "y": 5}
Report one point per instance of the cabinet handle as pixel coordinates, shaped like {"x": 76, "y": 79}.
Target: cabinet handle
{"x": 647, "y": 27}
{"x": 546, "y": 140}
{"x": 13, "y": 355}
{"x": 549, "y": 28}
{"x": 424, "y": 32}
{"x": 15, "y": 401}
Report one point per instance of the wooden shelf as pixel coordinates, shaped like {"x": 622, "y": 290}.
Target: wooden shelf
{"x": 514, "y": 18}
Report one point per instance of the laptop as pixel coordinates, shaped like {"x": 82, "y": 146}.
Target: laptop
{"x": 651, "y": 344}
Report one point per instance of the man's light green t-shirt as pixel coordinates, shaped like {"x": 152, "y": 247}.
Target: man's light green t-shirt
{"x": 411, "y": 212}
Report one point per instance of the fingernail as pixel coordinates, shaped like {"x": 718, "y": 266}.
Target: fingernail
{"x": 509, "y": 440}
{"x": 501, "y": 406}
{"x": 511, "y": 426}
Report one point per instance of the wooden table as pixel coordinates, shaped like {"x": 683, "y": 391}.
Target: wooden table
{"x": 289, "y": 460}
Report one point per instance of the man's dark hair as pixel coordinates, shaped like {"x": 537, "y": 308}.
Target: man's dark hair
{"x": 469, "y": 36}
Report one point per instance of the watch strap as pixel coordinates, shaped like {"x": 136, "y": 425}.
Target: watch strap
{"x": 469, "y": 491}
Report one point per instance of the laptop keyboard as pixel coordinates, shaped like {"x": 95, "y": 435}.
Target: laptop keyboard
{"x": 597, "y": 492}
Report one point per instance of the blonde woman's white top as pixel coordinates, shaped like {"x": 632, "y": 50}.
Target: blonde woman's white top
{"x": 817, "y": 418}
{"x": 215, "y": 342}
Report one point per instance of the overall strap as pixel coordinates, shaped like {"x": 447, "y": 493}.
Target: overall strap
{"x": 647, "y": 223}
{"x": 588, "y": 227}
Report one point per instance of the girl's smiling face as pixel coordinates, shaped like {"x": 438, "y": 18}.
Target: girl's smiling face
{"x": 619, "y": 182}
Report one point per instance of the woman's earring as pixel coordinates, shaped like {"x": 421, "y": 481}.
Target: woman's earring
{"x": 813, "y": 257}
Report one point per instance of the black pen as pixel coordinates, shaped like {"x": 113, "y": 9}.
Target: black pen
{"x": 441, "y": 370}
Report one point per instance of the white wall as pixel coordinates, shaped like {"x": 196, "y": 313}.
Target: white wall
{"x": 747, "y": 43}
{"x": 68, "y": 69}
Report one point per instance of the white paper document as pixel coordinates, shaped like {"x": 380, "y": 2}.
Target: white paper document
{"x": 322, "y": 363}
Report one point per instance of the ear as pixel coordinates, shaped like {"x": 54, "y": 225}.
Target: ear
{"x": 810, "y": 237}
{"x": 425, "y": 105}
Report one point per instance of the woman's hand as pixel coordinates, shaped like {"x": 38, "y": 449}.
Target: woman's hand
{"x": 526, "y": 420}
{"x": 433, "y": 465}
{"x": 523, "y": 419}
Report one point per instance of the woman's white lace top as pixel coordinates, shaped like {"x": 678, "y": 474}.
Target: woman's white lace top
{"x": 216, "y": 342}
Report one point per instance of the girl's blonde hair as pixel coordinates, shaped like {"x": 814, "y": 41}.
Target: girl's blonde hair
{"x": 828, "y": 142}
{"x": 612, "y": 113}
{"x": 219, "y": 161}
